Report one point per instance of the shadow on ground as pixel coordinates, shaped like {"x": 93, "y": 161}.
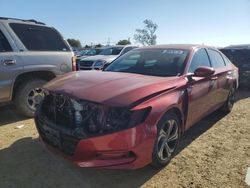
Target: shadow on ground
{"x": 242, "y": 94}
{"x": 28, "y": 164}
{"x": 9, "y": 114}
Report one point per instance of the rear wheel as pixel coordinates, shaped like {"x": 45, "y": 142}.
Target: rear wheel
{"x": 168, "y": 136}
{"x": 228, "y": 106}
{"x": 28, "y": 96}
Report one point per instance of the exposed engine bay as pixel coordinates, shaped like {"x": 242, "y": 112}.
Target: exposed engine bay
{"x": 62, "y": 120}
{"x": 82, "y": 118}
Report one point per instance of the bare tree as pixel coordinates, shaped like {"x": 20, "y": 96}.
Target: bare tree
{"x": 146, "y": 36}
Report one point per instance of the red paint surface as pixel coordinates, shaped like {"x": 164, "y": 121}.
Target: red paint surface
{"x": 193, "y": 100}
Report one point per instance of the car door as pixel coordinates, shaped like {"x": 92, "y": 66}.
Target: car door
{"x": 221, "y": 74}
{"x": 9, "y": 67}
{"x": 200, "y": 89}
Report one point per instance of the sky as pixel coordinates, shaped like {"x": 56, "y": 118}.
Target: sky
{"x": 211, "y": 22}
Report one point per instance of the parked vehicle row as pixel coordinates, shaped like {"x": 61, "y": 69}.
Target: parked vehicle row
{"x": 105, "y": 57}
{"x": 134, "y": 112}
{"x": 31, "y": 54}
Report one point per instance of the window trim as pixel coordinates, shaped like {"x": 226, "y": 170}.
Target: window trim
{"x": 225, "y": 65}
{"x": 191, "y": 60}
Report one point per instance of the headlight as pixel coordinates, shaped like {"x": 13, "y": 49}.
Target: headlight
{"x": 85, "y": 119}
{"x": 115, "y": 119}
{"x": 99, "y": 64}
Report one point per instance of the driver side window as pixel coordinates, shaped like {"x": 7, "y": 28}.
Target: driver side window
{"x": 200, "y": 58}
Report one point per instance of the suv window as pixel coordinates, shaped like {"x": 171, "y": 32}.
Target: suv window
{"x": 4, "y": 44}
{"x": 216, "y": 59}
{"x": 39, "y": 38}
{"x": 200, "y": 58}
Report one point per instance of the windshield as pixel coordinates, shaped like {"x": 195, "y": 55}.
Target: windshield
{"x": 111, "y": 51}
{"x": 154, "y": 62}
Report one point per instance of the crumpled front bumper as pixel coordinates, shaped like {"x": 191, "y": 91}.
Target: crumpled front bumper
{"x": 128, "y": 149}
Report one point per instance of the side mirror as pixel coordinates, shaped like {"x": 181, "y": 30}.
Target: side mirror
{"x": 200, "y": 72}
{"x": 203, "y": 72}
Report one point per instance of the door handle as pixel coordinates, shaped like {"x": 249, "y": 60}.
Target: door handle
{"x": 229, "y": 73}
{"x": 214, "y": 78}
{"x": 8, "y": 62}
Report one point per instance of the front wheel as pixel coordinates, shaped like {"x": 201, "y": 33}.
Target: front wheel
{"x": 168, "y": 136}
{"x": 28, "y": 96}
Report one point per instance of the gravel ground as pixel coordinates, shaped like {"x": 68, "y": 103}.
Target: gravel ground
{"x": 213, "y": 153}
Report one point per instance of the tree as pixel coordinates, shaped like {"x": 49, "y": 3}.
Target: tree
{"x": 87, "y": 46}
{"x": 123, "y": 42}
{"x": 146, "y": 36}
{"x": 74, "y": 43}
{"x": 98, "y": 46}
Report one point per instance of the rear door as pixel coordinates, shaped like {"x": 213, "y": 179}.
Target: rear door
{"x": 200, "y": 90}
{"x": 221, "y": 75}
{"x": 10, "y": 65}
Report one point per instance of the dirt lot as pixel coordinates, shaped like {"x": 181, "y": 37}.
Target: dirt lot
{"x": 214, "y": 153}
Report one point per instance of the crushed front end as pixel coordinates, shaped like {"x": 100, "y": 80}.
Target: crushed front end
{"x": 92, "y": 134}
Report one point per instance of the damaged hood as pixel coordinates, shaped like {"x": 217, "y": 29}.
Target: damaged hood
{"x": 110, "y": 88}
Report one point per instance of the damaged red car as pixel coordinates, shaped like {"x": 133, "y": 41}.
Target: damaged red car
{"x": 134, "y": 112}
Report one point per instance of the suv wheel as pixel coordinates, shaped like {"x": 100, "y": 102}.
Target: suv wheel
{"x": 28, "y": 96}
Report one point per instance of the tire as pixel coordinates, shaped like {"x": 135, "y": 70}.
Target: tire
{"x": 228, "y": 105}
{"x": 164, "y": 148}
{"x": 28, "y": 95}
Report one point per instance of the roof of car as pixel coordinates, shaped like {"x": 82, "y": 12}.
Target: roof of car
{"x": 176, "y": 46}
{"x": 121, "y": 46}
{"x": 17, "y": 20}
{"x": 239, "y": 46}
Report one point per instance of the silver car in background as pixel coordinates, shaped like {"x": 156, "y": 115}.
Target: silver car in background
{"x": 106, "y": 56}
{"x": 31, "y": 54}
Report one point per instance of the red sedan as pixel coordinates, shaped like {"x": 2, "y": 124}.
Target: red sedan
{"x": 134, "y": 112}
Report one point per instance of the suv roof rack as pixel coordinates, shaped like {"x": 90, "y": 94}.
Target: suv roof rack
{"x": 31, "y": 20}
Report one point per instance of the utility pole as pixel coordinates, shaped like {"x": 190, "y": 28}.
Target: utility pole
{"x": 108, "y": 42}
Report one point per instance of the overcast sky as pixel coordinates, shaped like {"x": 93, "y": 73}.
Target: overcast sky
{"x": 212, "y": 22}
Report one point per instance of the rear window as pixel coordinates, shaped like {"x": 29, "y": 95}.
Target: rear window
{"x": 39, "y": 38}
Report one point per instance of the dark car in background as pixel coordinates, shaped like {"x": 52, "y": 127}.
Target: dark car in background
{"x": 240, "y": 56}
{"x": 134, "y": 112}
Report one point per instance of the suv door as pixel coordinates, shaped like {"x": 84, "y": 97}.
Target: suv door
{"x": 221, "y": 73}
{"x": 10, "y": 65}
{"x": 200, "y": 89}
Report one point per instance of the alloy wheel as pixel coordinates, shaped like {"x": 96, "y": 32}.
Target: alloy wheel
{"x": 167, "y": 140}
{"x": 231, "y": 99}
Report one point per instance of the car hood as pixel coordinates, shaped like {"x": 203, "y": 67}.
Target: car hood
{"x": 107, "y": 58}
{"x": 111, "y": 88}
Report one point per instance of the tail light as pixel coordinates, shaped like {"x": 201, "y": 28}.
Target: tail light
{"x": 73, "y": 60}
